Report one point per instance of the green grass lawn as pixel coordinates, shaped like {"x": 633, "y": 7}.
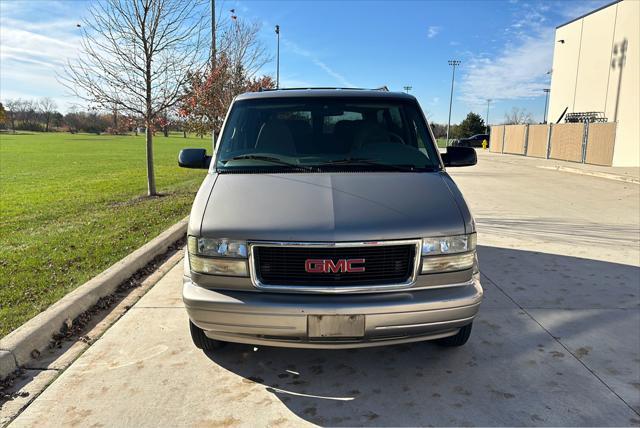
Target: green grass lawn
{"x": 72, "y": 205}
{"x": 442, "y": 142}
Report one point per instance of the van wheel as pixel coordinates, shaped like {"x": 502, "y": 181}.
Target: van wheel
{"x": 202, "y": 341}
{"x": 459, "y": 339}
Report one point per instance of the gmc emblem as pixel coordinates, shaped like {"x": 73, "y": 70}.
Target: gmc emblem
{"x": 329, "y": 266}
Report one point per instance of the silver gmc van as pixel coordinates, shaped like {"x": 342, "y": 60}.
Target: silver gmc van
{"x": 327, "y": 220}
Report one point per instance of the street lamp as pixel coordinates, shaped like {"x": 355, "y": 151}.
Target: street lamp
{"x": 454, "y": 63}
{"x": 278, "y": 58}
{"x": 486, "y": 121}
{"x": 407, "y": 88}
{"x": 546, "y": 102}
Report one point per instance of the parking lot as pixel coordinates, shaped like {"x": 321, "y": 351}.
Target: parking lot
{"x": 556, "y": 341}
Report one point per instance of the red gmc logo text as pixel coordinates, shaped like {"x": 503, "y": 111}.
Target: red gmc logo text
{"x": 329, "y": 266}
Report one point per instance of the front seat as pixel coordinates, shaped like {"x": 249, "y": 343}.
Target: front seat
{"x": 275, "y": 137}
{"x": 343, "y": 135}
{"x": 370, "y": 133}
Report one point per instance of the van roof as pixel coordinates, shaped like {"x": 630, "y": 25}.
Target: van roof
{"x": 324, "y": 92}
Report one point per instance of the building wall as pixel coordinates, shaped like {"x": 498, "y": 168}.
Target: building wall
{"x": 583, "y": 79}
{"x": 627, "y": 149}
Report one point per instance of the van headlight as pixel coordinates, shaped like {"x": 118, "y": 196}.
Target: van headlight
{"x": 218, "y": 256}
{"x": 448, "y": 253}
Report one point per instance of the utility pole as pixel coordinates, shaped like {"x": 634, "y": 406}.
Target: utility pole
{"x": 278, "y": 58}
{"x": 213, "y": 62}
{"x": 454, "y": 63}
{"x": 486, "y": 121}
{"x": 213, "y": 34}
{"x": 546, "y": 102}
{"x": 407, "y": 88}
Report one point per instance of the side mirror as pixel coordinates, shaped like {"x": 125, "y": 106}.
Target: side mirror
{"x": 194, "y": 158}
{"x": 460, "y": 156}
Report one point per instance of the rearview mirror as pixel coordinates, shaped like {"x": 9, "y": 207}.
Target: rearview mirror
{"x": 194, "y": 158}
{"x": 459, "y": 156}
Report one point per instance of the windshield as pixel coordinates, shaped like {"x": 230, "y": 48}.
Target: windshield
{"x": 326, "y": 134}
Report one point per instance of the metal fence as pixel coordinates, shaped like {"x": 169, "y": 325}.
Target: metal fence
{"x": 600, "y": 142}
{"x": 576, "y": 142}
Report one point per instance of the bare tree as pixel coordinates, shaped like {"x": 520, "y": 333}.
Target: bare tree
{"x": 21, "y": 112}
{"x": 12, "y": 112}
{"x": 517, "y": 116}
{"x": 3, "y": 114}
{"x": 47, "y": 108}
{"x": 240, "y": 42}
{"x": 28, "y": 113}
{"x": 136, "y": 56}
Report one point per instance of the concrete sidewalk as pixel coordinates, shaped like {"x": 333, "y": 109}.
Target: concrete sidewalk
{"x": 556, "y": 341}
{"x": 628, "y": 174}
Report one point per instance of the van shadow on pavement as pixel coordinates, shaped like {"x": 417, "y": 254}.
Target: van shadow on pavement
{"x": 555, "y": 343}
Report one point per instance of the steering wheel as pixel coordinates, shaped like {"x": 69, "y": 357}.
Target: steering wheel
{"x": 397, "y": 137}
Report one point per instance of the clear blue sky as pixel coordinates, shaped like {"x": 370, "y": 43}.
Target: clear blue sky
{"x": 506, "y": 47}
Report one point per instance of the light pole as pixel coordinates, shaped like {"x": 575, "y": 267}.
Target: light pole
{"x": 486, "y": 121}
{"x": 407, "y": 88}
{"x": 619, "y": 61}
{"x": 278, "y": 58}
{"x": 213, "y": 62}
{"x": 213, "y": 34}
{"x": 454, "y": 63}
{"x": 546, "y": 102}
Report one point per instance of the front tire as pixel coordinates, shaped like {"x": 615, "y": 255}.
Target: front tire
{"x": 202, "y": 341}
{"x": 457, "y": 340}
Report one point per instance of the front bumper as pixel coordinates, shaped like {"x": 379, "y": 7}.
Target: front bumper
{"x": 277, "y": 319}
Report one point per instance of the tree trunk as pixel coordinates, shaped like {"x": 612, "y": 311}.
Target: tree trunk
{"x": 151, "y": 178}
{"x": 184, "y": 134}
{"x": 148, "y": 121}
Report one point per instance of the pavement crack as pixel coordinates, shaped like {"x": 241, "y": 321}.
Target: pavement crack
{"x": 43, "y": 369}
{"x": 561, "y": 344}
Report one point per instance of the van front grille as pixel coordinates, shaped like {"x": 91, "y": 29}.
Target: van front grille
{"x": 288, "y": 265}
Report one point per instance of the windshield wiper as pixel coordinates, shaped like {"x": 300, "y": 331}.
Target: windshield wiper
{"x": 271, "y": 159}
{"x": 371, "y": 162}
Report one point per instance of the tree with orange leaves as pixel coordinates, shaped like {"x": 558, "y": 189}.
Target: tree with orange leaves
{"x": 208, "y": 94}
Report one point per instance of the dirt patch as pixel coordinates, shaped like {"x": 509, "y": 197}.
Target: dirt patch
{"x": 583, "y": 352}
{"x": 6, "y": 385}
{"x": 137, "y": 200}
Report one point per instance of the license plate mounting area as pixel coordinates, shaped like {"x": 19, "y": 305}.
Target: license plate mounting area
{"x": 319, "y": 326}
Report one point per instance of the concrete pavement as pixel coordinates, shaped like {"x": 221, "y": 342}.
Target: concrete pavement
{"x": 556, "y": 341}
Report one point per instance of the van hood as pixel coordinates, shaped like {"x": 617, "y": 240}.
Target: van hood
{"x": 332, "y": 207}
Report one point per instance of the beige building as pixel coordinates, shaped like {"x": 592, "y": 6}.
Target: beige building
{"x": 596, "y": 68}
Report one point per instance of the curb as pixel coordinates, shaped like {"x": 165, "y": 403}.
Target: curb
{"x": 33, "y": 337}
{"x": 606, "y": 175}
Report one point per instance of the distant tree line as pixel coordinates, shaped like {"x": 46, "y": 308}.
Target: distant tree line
{"x": 31, "y": 115}
{"x": 43, "y": 116}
